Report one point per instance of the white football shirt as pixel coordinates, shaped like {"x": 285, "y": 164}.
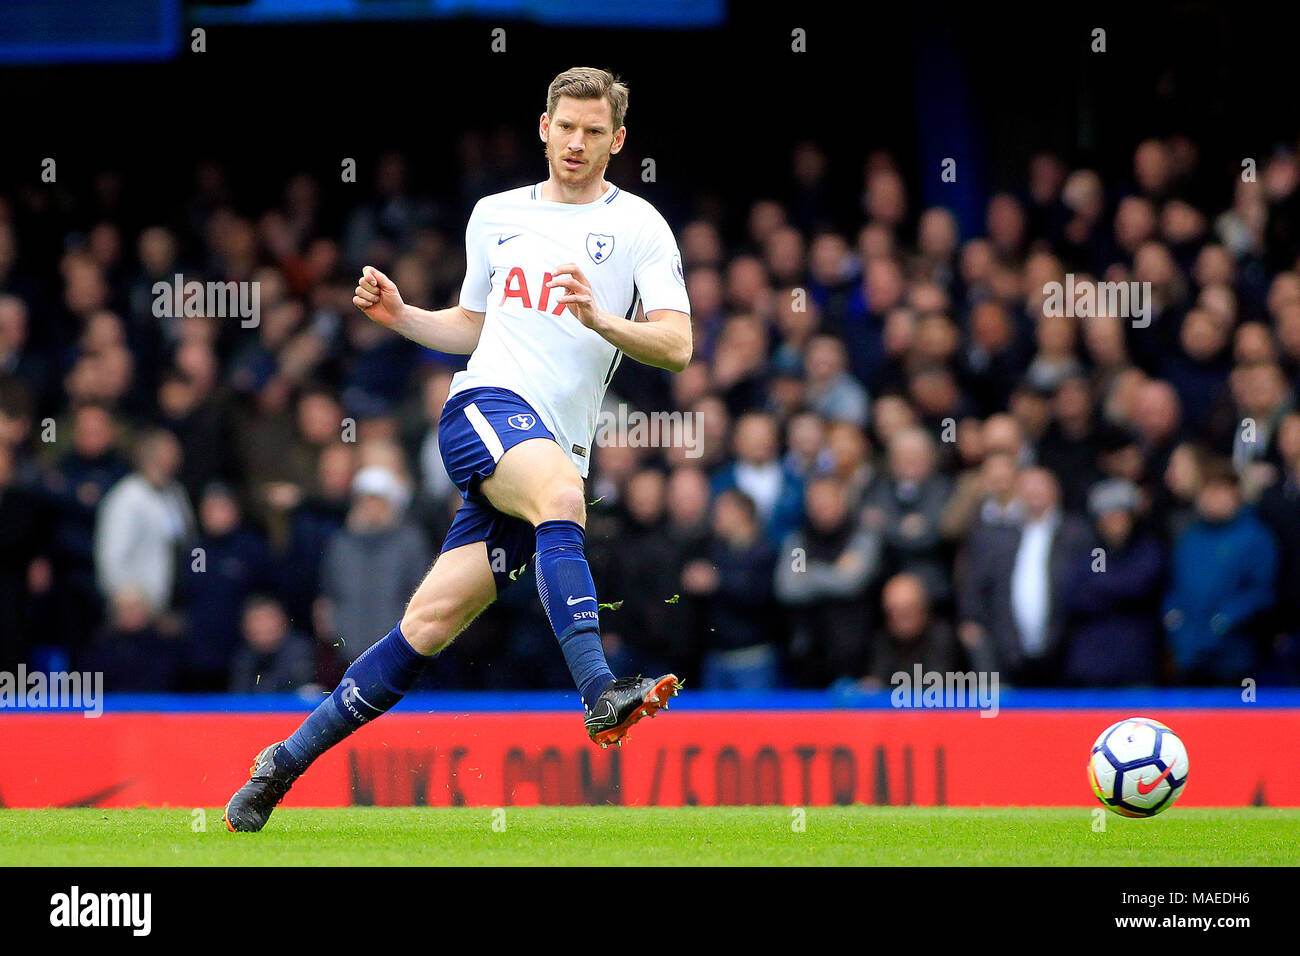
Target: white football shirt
{"x": 534, "y": 346}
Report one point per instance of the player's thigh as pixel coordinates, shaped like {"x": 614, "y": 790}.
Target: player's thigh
{"x": 535, "y": 480}
{"x": 454, "y": 592}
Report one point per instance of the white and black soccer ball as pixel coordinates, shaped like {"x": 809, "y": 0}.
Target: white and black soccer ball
{"x": 1138, "y": 767}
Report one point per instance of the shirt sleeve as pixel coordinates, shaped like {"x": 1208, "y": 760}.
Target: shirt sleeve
{"x": 659, "y": 278}
{"x": 478, "y": 273}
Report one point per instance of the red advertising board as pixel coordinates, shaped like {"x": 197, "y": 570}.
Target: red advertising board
{"x": 1019, "y": 758}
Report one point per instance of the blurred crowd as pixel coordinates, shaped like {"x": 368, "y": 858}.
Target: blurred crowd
{"x": 908, "y": 457}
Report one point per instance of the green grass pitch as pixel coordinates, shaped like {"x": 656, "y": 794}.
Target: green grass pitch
{"x": 891, "y": 836}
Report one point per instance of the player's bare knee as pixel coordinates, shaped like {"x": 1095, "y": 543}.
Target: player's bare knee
{"x": 564, "y": 502}
{"x": 431, "y": 626}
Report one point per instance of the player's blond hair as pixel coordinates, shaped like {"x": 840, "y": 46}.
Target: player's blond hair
{"x": 589, "y": 83}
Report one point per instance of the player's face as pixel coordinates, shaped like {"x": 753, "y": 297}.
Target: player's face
{"x": 579, "y": 140}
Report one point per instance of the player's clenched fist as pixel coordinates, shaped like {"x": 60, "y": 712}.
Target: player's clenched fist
{"x": 377, "y": 296}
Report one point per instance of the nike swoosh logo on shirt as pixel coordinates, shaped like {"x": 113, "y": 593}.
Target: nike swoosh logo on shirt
{"x": 571, "y": 600}
{"x": 508, "y": 238}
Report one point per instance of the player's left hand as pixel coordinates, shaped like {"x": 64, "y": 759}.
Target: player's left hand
{"x": 577, "y": 295}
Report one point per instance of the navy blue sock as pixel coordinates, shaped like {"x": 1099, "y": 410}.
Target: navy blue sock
{"x": 569, "y": 597}
{"x": 377, "y": 680}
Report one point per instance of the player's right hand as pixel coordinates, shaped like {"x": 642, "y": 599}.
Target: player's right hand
{"x": 377, "y": 296}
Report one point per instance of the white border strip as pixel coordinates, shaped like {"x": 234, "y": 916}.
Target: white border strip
{"x": 485, "y": 432}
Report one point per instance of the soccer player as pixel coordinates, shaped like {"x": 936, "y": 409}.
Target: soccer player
{"x": 556, "y": 273}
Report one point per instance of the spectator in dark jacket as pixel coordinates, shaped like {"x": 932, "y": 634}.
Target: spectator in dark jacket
{"x": 1113, "y": 597}
{"x": 74, "y": 489}
{"x": 736, "y": 582}
{"x": 1224, "y": 567}
{"x": 993, "y": 360}
{"x": 1173, "y": 499}
{"x": 231, "y": 563}
{"x": 1279, "y": 510}
{"x": 23, "y": 534}
{"x": 687, "y": 502}
{"x": 197, "y": 418}
{"x": 759, "y": 472}
{"x": 312, "y": 523}
{"x": 1263, "y": 396}
{"x": 272, "y": 659}
{"x": 906, "y": 508}
{"x": 1198, "y": 371}
{"x": 17, "y": 358}
{"x": 1012, "y": 602}
{"x": 131, "y": 652}
{"x": 646, "y": 635}
{"x": 1157, "y": 421}
{"x": 912, "y": 634}
{"x": 1071, "y": 448}
{"x": 822, "y": 577}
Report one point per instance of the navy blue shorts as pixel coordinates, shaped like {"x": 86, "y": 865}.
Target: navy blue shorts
{"x": 477, "y": 427}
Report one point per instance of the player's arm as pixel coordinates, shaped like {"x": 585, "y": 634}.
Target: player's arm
{"x": 455, "y": 330}
{"x": 664, "y": 340}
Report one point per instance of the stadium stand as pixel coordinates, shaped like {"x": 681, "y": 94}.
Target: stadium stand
{"x": 911, "y": 452}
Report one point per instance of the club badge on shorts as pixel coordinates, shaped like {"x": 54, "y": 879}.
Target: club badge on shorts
{"x": 522, "y": 422}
